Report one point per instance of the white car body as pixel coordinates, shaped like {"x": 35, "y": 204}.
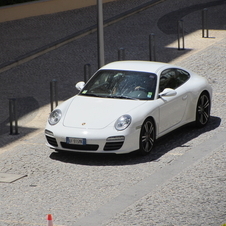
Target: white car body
{"x": 93, "y": 118}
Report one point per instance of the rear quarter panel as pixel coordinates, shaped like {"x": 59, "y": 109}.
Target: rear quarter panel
{"x": 195, "y": 86}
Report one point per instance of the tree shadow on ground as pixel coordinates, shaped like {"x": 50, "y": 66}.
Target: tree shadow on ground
{"x": 166, "y": 24}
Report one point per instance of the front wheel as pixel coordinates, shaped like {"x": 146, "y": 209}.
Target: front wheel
{"x": 203, "y": 110}
{"x": 147, "y": 137}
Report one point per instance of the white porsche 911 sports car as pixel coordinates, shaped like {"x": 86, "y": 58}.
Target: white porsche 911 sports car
{"x": 126, "y": 106}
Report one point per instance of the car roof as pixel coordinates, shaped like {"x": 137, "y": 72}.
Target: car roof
{"x": 136, "y": 65}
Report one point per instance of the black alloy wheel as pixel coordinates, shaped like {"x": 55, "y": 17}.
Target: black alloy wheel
{"x": 147, "y": 137}
{"x": 203, "y": 110}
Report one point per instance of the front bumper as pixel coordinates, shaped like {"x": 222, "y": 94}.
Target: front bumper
{"x": 97, "y": 141}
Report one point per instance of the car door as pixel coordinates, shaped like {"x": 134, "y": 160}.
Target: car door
{"x": 172, "y": 108}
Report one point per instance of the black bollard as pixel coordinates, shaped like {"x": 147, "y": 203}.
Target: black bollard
{"x": 180, "y": 34}
{"x": 205, "y": 29}
{"x": 13, "y": 117}
{"x": 87, "y": 72}
{"x": 53, "y": 94}
{"x": 152, "y": 55}
{"x": 121, "y": 54}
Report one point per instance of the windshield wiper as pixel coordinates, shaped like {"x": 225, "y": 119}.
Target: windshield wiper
{"x": 124, "y": 97}
{"x": 109, "y": 96}
{"x": 90, "y": 94}
{"x": 96, "y": 95}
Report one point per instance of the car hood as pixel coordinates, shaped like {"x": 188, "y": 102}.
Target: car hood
{"x": 97, "y": 113}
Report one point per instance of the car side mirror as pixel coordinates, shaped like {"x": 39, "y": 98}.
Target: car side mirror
{"x": 80, "y": 85}
{"x": 167, "y": 92}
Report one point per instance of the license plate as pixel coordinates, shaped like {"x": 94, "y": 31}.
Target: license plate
{"x": 74, "y": 140}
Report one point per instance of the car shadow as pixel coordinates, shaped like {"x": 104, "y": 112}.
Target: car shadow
{"x": 177, "y": 138}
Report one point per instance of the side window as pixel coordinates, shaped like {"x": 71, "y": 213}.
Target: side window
{"x": 167, "y": 79}
{"x": 172, "y": 78}
{"x": 182, "y": 76}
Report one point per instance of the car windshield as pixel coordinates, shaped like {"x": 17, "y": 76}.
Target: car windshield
{"x": 121, "y": 84}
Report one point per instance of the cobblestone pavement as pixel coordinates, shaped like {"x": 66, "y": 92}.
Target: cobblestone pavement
{"x": 190, "y": 198}
{"x": 181, "y": 183}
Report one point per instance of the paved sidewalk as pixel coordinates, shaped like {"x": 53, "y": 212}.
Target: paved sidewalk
{"x": 194, "y": 195}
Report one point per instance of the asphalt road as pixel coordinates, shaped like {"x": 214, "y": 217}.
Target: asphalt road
{"x": 181, "y": 183}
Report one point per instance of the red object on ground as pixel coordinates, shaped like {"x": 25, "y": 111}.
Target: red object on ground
{"x": 50, "y": 220}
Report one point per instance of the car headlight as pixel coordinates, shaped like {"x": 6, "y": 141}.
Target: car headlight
{"x": 55, "y": 117}
{"x": 123, "y": 122}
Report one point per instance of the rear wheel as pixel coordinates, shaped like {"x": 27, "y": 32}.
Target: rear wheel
{"x": 147, "y": 137}
{"x": 203, "y": 110}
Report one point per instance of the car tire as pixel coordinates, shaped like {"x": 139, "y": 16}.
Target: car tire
{"x": 203, "y": 110}
{"x": 147, "y": 136}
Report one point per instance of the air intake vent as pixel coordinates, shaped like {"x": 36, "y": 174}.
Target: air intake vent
{"x": 87, "y": 147}
{"x": 110, "y": 146}
{"x": 52, "y": 141}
